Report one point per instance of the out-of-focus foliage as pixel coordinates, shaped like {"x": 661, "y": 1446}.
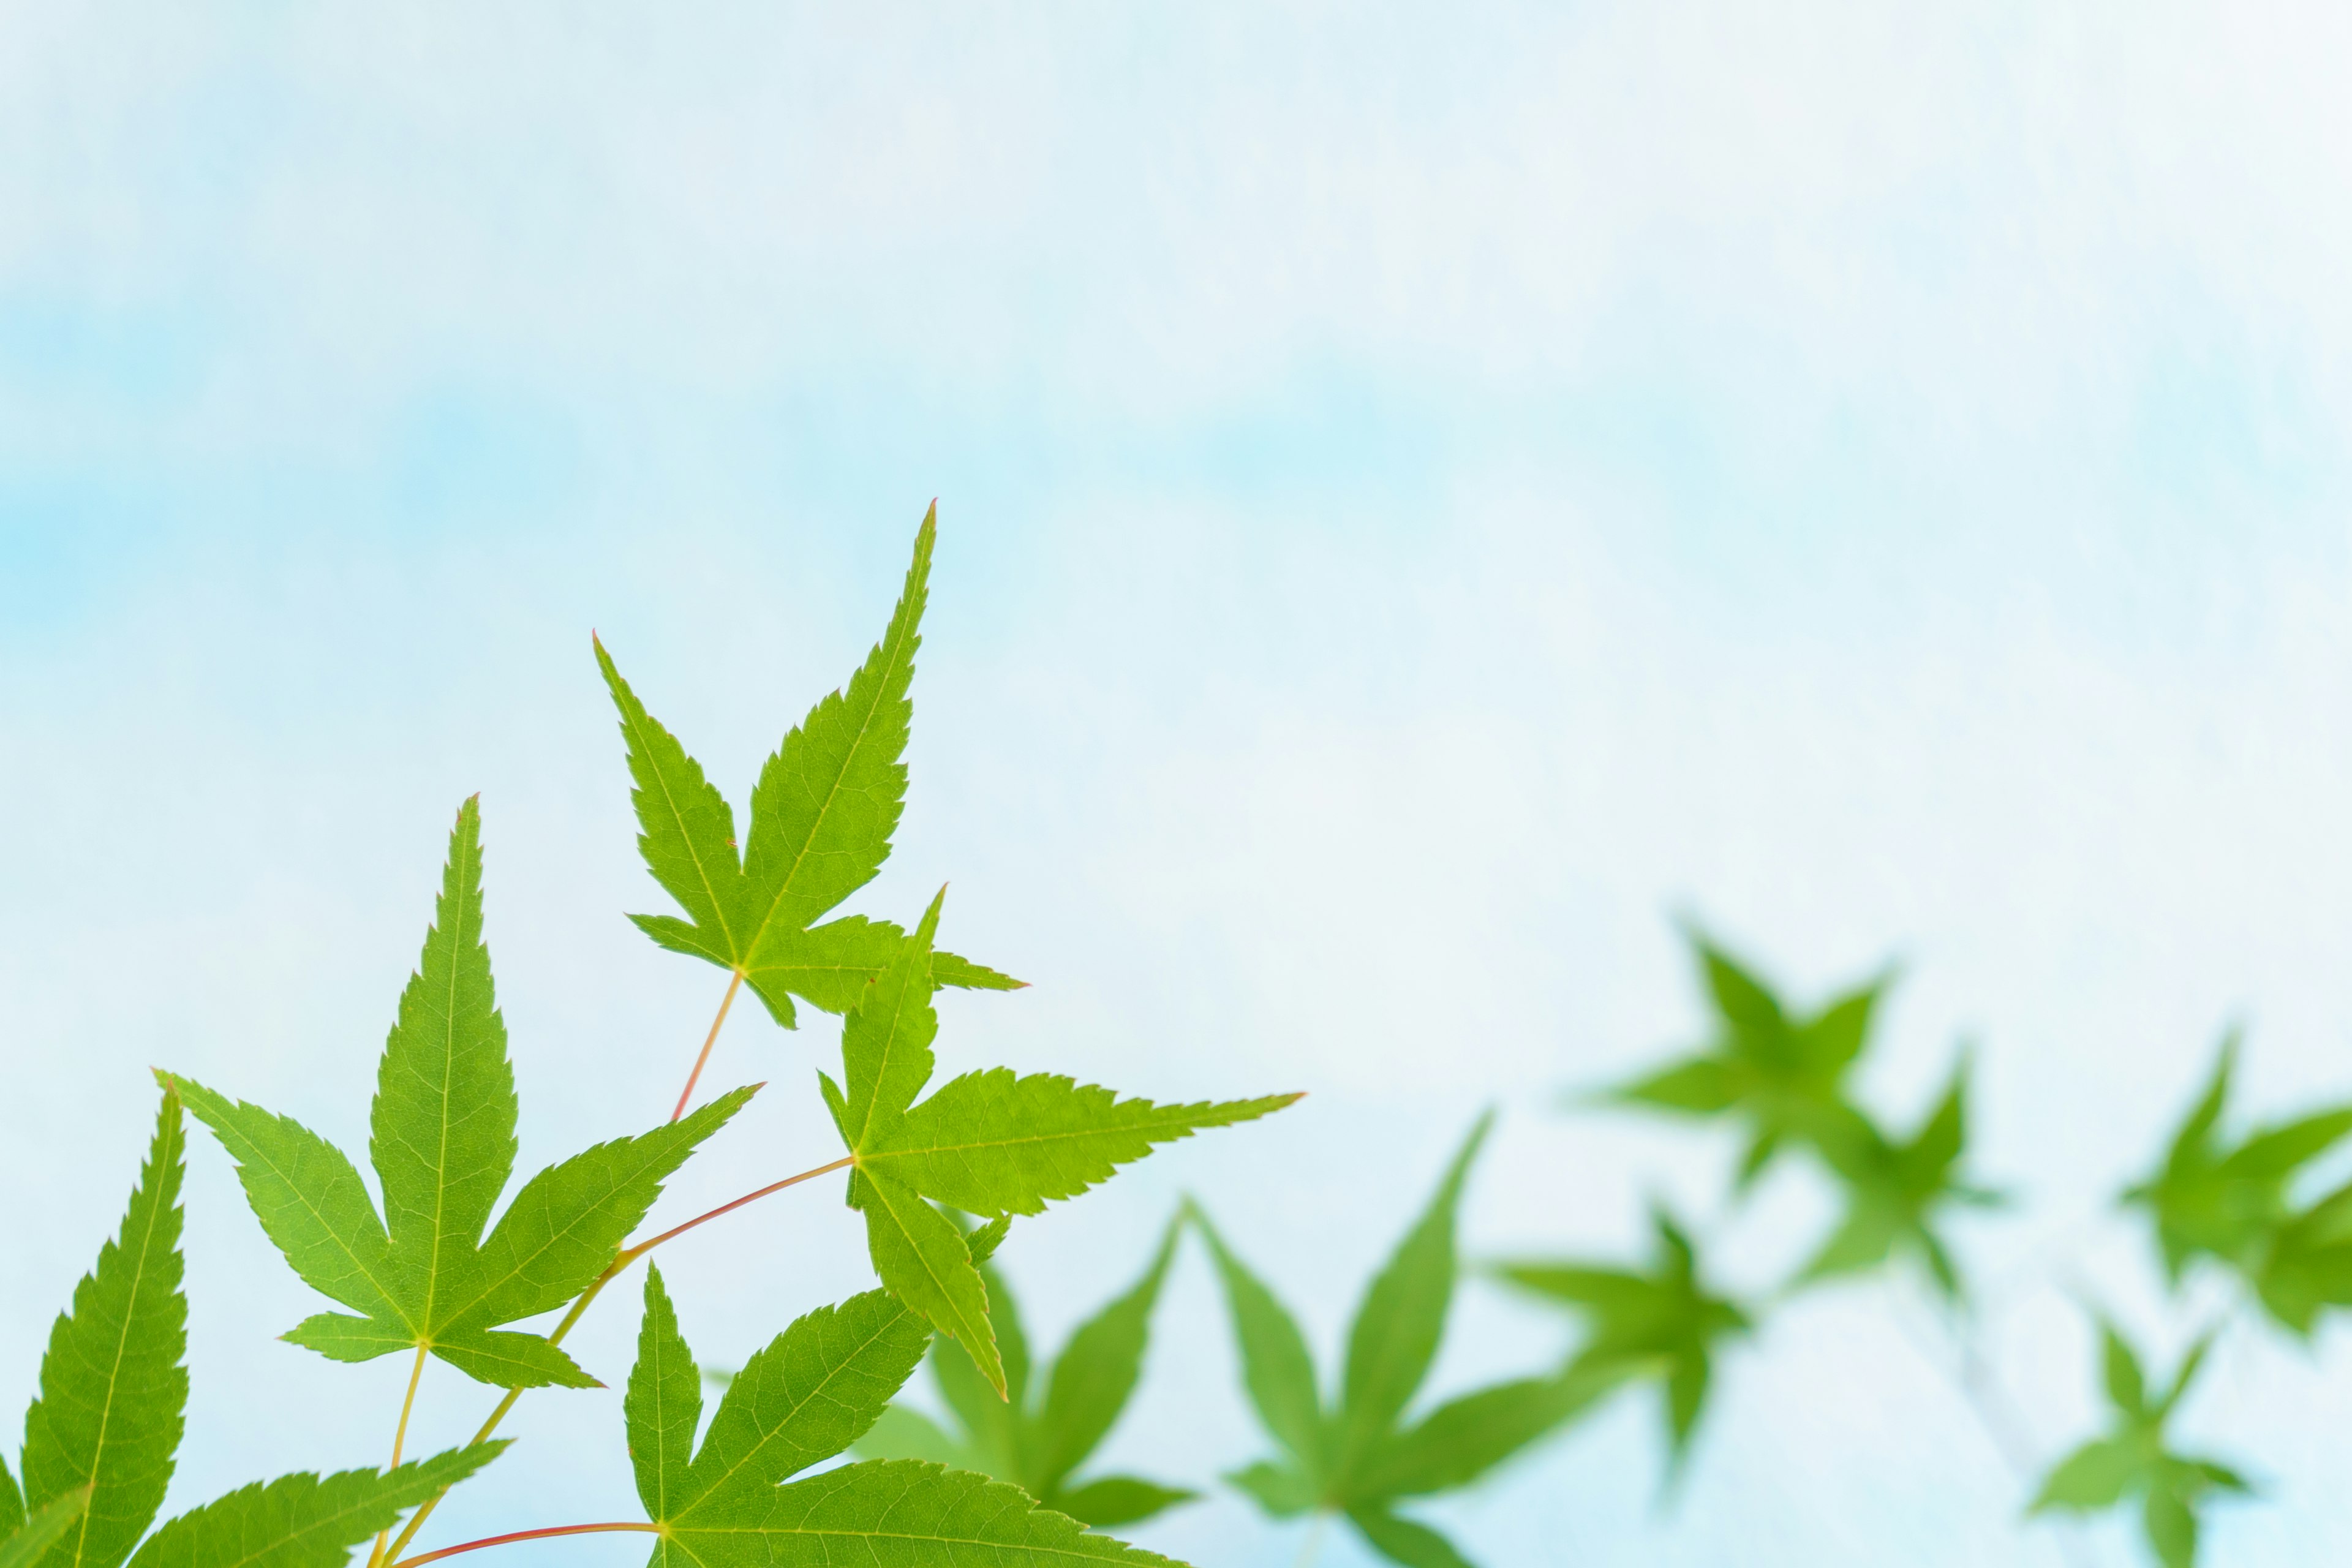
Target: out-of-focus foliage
{"x": 2135, "y": 1459}
{"x": 1355, "y": 1453}
{"x": 1895, "y": 1191}
{"x": 1778, "y": 1073}
{"x": 2234, "y": 1206}
{"x": 1663, "y": 1323}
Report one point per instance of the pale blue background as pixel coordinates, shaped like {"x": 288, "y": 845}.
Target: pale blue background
{"x": 1424, "y": 496}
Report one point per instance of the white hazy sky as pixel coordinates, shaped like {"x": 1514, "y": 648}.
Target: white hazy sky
{"x": 1425, "y": 497}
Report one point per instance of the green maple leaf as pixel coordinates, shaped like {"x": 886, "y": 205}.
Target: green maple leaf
{"x": 1895, "y": 1191}
{"x": 24, "y": 1542}
{"x": 2134, "y": 1458}
{"x": 813, "y": 1391}
{"x": 1663, "y": 1323}
{"x": 103, "y": 1438}
{"x": 443, "y": 1145}
{"x": 106, "y": 1425}
{"x": 305, "y": 1521}
{"x": 988, "y": 1143}
{"x": 2232, "y": 1204}
{"x": 1045, "y": 1428}
{"x": 1357, "y": 1454}
{"x": 1780, "y": 1073}
{"x": 823, "y": 813}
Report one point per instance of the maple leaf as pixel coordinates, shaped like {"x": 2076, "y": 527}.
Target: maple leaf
{"x": 1356, "y": 1455}
{"x": 2135, "y": 1459}
{"x": 106, "y": 1425}
{"x": 443, "y": 1145}
{"x": 1783, "y": 1075}
{"x": 305, "y": 1521}
{"x": 827, "y": 801}
{"x": 24, "y": 1542}
{"x": 1042, "y": 1430}
{"x": 2232, "y": 1204}
{"x": 814, "y": 1390}
{"x": 1894, "y": 1192}
{"x": 1663, "y": 1323}
{"x": 987, "y": 1143}
{"x": 103, "y": 1438}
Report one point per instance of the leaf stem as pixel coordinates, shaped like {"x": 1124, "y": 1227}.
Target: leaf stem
{"x": 632, "y": 1254}
{"x": 1314, "y": 1542}
{"x": 734, "y": 983}
{"x": 399, "y": 1437}
{"x": 621, "y": 1260}
{"x": 520, "y": 1535}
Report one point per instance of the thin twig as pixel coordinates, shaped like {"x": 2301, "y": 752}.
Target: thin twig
{"x": 1314, "y": 1542}
{"x": 634, "y": 1253}
{"x": 734, "y": 981}
{"x": 425, "y": 1557}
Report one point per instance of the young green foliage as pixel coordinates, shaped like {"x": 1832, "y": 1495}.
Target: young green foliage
{"x": 103, "y": 1438}
{"x": 24, "y": 1542}
{"x": 1782, "y": 1075}
{"x": 814, "y": 1390}
{"x": 987, "y": 1143}
{"x": 1043, "y": 1429}
{"x": 2135, "y": 1459}
{"x": 443, "y": 1145}
{"x": 1357, "y": 1455}
{"x": 1663, "y": 1323}
{"x": 107, "y": 1419}
{"x": 2232, "y": 1204}
{"x": 823, "y": 813}
{"x": 1895, "y": 1191}
{"x": 305, "y": 1521}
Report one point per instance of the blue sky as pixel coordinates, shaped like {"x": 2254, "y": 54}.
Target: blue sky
{"x": 1424, "y": 499}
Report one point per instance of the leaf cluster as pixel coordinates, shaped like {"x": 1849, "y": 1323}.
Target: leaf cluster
{"x": 810, "y": 1457}
{"x": 439, "y": 1261}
